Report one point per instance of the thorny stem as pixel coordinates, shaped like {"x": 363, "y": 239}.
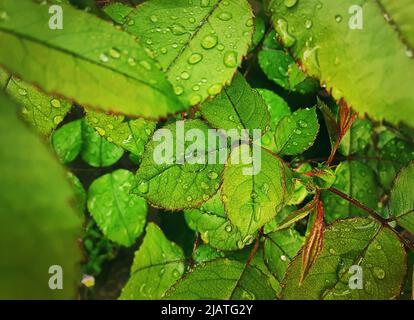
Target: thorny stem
{"x": 254, "y": 251}
{"x": 195, "y": 246}
{"x": 346, "y": 118}
{"x": 373, "y": 214}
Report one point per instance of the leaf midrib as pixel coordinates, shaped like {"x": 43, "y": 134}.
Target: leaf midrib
{"x": 21, "y": 36}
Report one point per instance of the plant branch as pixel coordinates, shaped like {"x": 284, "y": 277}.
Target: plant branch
{"x": 373, "y": 214}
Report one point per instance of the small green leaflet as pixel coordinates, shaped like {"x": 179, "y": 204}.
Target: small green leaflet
{"x": 297, "y": 132}
{"x": 357, "y": 180}
{"x": 77, "y": 137}
{"x": 205, "y": 253}
{"x": 280, "y": 67}
{"x": 222, "y": 279}
{"x": 79, "y": 191}
{"x": 278, "y": 108}
{"x": 395, "y": 154}
{"x": 280, "y": 248}
{"x": 43, "y": 112}
{"x": 253, "y": 200}
{"x": 401, "y": 203}
{"x": 214, "y": 227}
{"x": 237, "y": 107}
{"x": 178, "y": 173}
{"x": 192, "y": 39}
{"x": 38, "y": 227}
{"x": 334, "y": 46}
{"x": 119, "y": 214}
{"x": 67, "y": 141}
{"x": 357, "y": 138}
{"x": 157, "y": 265}
{"x": 348, "y": 245}
{"x": 96, "y": 151}
{"x": 102, "y": 68}
{"x": 131, "y": 135}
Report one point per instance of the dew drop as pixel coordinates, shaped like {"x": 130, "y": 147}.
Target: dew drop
{"x": 209, "y": 41}
{"x": 195, "y": 99}
{"x": 145, "y": 65}
{"x": 103, "y": 57}
{"x": 229, "y": 228}
{"x": 247, "y": 295}
{"x": 303, "y": 124}
{"x": 249, "y": 22}
{"x": 101, "y": 131}
{"x": 225, "y": 16}
{"x": 409, "y": 53}
{"x": 22, "y": 92}
{"x": 290, "y": 3}
{"x": 212, "y": 175}
{"x": 338, "y": 18}
{"x": 176, "y": 273}
{"x": 214, "y": 89}
{"x": 248, "y": 240}
{"x": 55, "y": 103}
{"x": 143, "y": 187}
{"x": 379, "y": 273}
{"x": 283, "y": 258}
{"x": 57, "y": 119}
{"x": 205, "y": 3}
{"x": 178, "y": 29}
{"x": 195, "y": 58}
{"x": 185, "y": 75}
{"x": 154, "y": 19}
{"x": 282, "y": 28}
{"x": 308, "y": 24}
{"x": 132, "y": 62}
{"x": 114, "y": 53}
{"x": 178, "y": 90}
{"x": 230, "y": 59}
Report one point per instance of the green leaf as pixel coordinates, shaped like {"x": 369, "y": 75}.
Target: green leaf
{"x": 280, "y": 248}
{"x": 131, "y": 135}
{"x": 257, "y": 262}
{"x": 191, "y": 39}
{"x": 259, "y": 31}
{"x": 38, "y": 227}
{"x": 401, "y": 203}
{"x": 213, "y": 225}
{"x": 79, "y": 191}
{"x": 357, "y": 180}
{"x": 119, "y": 214}
{"x": 317, "y": 41}
{"x": 395, "y": 154}
{"x": 237, "y": 107}
{"x": 158, "y": 264}
{"x": 96, "y": 151}
{"x": 67, "y": 141}
{"x": 361, "y": 242}
{"x": 280, "y": 67}
{"x": 205, "y": 253}
{"x": 118, "y": 11}
{"x": 253, "y": 200}
{"x": 43, "y": 112}
{"x": 222, "y": 279}
{"x": 297, "y": 132}
{"x": 180, "y": 179}
{"x": 332, "y": 125}
{"x": 88, "y": 60}
{"x": 278, "y": 108}
{"x": 357, "y": 138}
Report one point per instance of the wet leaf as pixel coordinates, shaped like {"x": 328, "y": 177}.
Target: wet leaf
{"x": 119, "y": 214}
